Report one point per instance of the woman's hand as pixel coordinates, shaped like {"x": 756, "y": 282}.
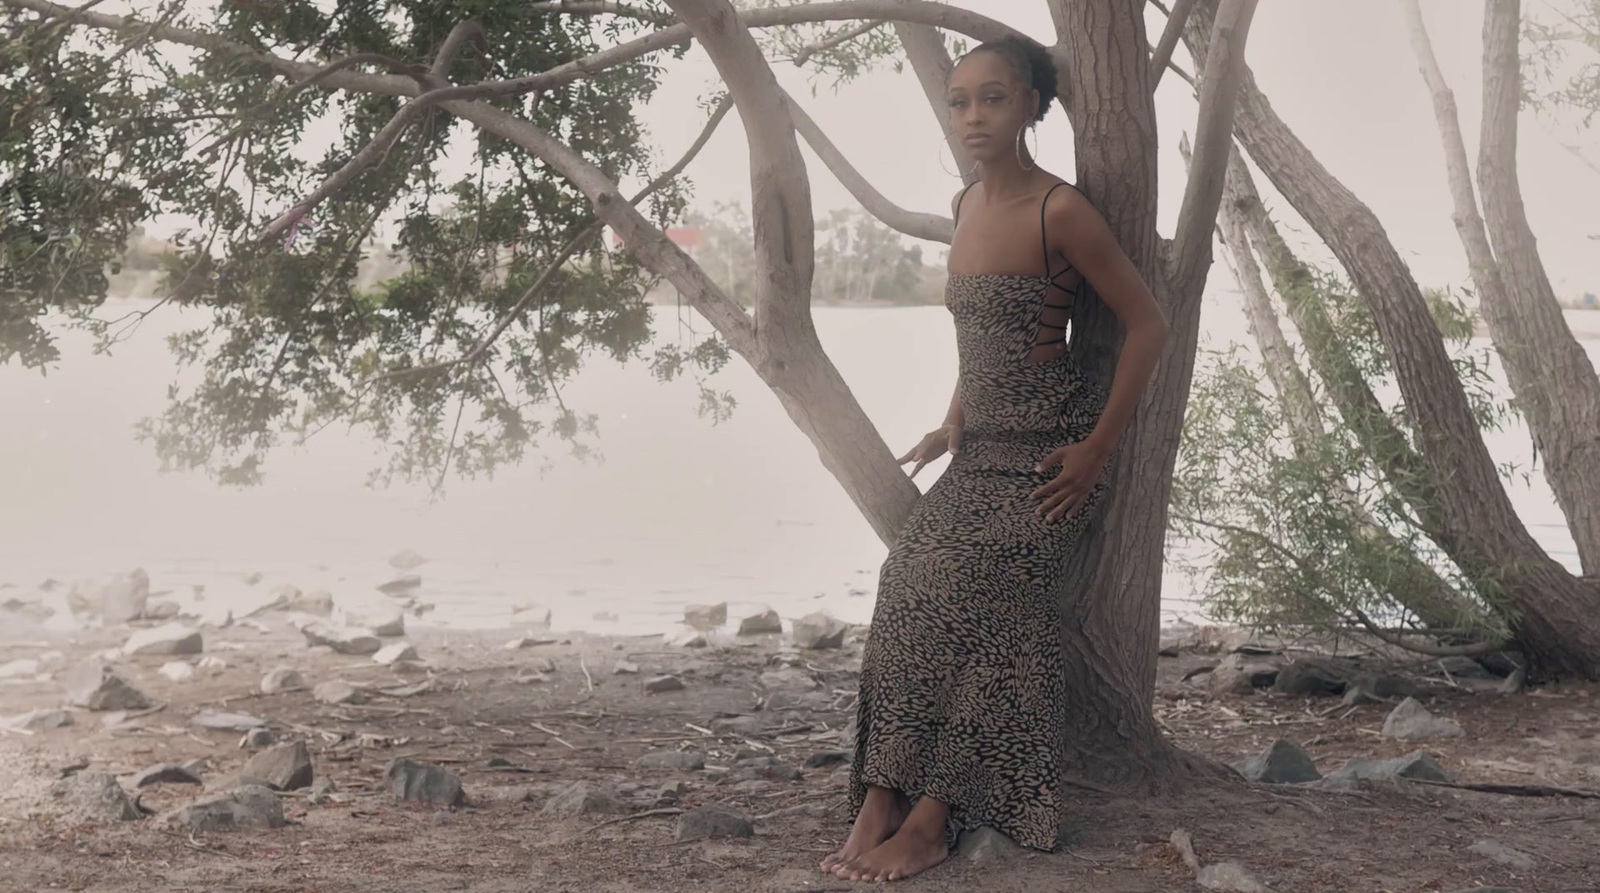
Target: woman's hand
{"x": 934, "y": 445}
{"x": 1081, "y": 466}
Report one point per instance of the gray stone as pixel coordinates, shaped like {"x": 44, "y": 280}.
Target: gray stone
{"x": 672, "y": 759}
{"x": 401, "y": 585}
{"x": 758, "y": 624}
{"x": 1242, "y": 674}
{"x": 984, "y": 845}
{"x": 397, "y": 651}
{"x": 581, "y": 798}
{"x": 817, "y": 631}
{"x": 1505, "y": 855}
{"x": 422, "y": 783}
{"x": 407, "y": 560}
{"x": 663, "y": 684}
{"x": 319, "y": 603}
{"x": 42, "y": 719}
{"x": 282, "y": 679}
{"x": 1458, "y": 666}
{"x": 531, "y": 615}
{"x": 709, "y": 822}
{"x": 788, "y": 678}
{"x": 1416, "y": 766}
{"x": 826, "y": 759}
{"x": 118, "y": 599}
{"x": 92, "y": 684}
{"x": 626, "y": 668}
{"x": 344, "y": 640}
{"x": 1381, "y": 689}
{"x": 336, "y": 691}
{"x": 322, "y": 791}
{"x": 92, "y": 797}
{"x": 165, "y": 773}
{"x": 168, "y": 639}
{"x": 20, "y": 668}
{"x": 706, "y": 617}
{"x": 261, "y": 736}
{"x": 1412, "y": 722}
{"x": 1314, "y": 676}
{"x": 1229, "y": 877}
{"x": 162, "y": 609}
{"x": 1281, "y": 763}
{"x": 739, "y": 725}
{"x": 672, "y": 792}
{"x": 225, "y": 722}
{"x": 177, "y": 670}
{"x": 387, "y": 621}
{"x": 286, "y": 767}
{"x": 246, "y": 808}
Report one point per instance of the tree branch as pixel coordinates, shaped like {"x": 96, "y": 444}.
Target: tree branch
{"x": 1162, "y": 55}
{"x": 930, "y": 60}
{"x": 1219, "y": 99}
{"x": 568, "y": 7}
{"x": 565, "y": 252}
{"x": 828, "y": 43}
{"x": 1431, "y": 650}
{"x": 915, "y": 224}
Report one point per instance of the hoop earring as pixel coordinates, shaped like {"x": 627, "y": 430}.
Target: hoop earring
{"x": 1032, "y": 155}
{"x": 944, "y": 143}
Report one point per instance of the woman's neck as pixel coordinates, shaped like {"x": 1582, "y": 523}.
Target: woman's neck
{"x": 1007, "y": 179}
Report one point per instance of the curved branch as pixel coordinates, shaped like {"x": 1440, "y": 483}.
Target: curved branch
{"x": 464, "y": 31}
{"x": 931, "y": 61}
{"x": 568, "y": 7}
{"x": 835, "y": 40}
{"x": 1162, "y": 55}
{"x": 566, "y": 251}
{"x": 913, "y": 223}
{"x": 1431, "y": 650}
{"x": 1219, "y": 99}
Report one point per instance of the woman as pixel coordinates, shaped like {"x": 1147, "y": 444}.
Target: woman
{"x": 962, "y": 704}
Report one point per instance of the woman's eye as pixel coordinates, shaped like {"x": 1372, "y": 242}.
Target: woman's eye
{"x": 994, "y": 100}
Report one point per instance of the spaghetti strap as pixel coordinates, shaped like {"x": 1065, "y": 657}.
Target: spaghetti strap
{"x": 1044, "y": 237}
{"x": 961, "y": 196}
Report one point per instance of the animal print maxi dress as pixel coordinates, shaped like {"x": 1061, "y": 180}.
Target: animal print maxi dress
{"x": 962, "y": 697}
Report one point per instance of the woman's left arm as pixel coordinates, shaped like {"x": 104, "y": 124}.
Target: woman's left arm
{"x": 1081, "y": 235}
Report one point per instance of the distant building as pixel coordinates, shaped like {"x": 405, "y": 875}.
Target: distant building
{"x": 685, "y": 237}
{"x": 1589, "y": 301}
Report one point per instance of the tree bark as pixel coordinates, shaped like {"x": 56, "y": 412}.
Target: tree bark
{"x": 1557, "y": 616}
{"x": 1551, "y": 375}
{"x": 1414, "y": 585}
{"x": 932, "y": 64}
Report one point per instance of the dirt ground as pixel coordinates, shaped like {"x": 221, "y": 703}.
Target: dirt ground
{"x": 582, "y": 721}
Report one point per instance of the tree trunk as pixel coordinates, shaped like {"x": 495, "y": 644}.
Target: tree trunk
{"x": 1551, "y": 375}
{"x": 1412, "y": 583}
{"x": 1557, "y": 615}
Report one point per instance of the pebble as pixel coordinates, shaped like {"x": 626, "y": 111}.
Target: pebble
{"x": 397, "y": 651}
{"x": 626, "y": 668}
{"x": 282, "y": 679}
{"x": 1281, "y": 763}
{"x": 177, "y": 670}
{"x": 1412, "y": 722}
{"x": 758, "y": 624}
{"x": 422, "y": 783}
{"x": 247, "y": 808}
{"x": 225, "y": 722}
{"x": 818, "y": 630}
{"x": 258, "y": 737}
{"x": 170, "y": 638}
{"x": 402, "y": 584}
{"x": 336, "y": 691}
{"x": 286, "y": 767}
{"x": 93, "y": 685}
{"x": 706, "y": 617}
{"x": 344, "y": 640}
{"x": 713, "y": 822}
{"x": 581, "y": 798}
{"x": 663, "y": 684}
{"x": 93, "y": 797}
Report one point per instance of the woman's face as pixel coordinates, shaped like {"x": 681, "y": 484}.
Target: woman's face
{"x": 988, "y": 105}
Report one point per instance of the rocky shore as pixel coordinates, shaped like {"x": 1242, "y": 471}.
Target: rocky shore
{"x": 319, "y": 742}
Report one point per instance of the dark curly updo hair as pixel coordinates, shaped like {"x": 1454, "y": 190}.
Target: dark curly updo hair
{"x": 1030, "y": 61}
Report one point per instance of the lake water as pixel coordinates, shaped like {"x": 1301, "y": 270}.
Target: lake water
{"x": 678, "y": 511}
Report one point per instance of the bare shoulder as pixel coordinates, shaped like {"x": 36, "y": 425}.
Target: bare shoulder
{"x": 1070, "y": 207}
{"x": 1075, "y": 226}
{"x": 955, "y": 200}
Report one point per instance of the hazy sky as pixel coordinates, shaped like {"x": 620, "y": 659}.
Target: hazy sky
{"x": 1340, "y": 72}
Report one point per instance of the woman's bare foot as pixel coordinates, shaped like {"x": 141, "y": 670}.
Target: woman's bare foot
{"x": 882, "y": 813}
{"x": 915, "y": 848}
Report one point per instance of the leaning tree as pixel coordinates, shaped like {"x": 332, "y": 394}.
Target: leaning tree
{"x": 273, "y": 252}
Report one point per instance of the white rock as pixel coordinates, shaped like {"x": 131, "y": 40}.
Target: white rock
{"x": 384, "y": 620}
{"x": 170, "y": 638}
{"x": 177, "y": 670}
{"x": 344, "y": 640}
{"x": 388, "y": 654}
{"x": 1412, "y": 722}
{"x": 216, "y": 616}
{"x": 407, "y": 560}
{"x": 531, "y": 615}
{"x": 18, "y": 669}
{"x": 211, "y": 664}
{"x": 335, "y": 691}
{"x": 705, "y": 617}
{"x": 282, "y": 679}
{"x": 117, "y": 599}
{"x": 93, "y": 685}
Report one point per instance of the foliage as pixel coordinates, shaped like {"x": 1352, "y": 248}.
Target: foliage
{"x": 1563, "y": 62}
{"x": 106, "y": 133}
{"x": 858, "y": 259}
{"x": 1284, "y": 526}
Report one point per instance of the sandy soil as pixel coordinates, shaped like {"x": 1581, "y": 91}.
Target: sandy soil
{"x": 582, "y": 721}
